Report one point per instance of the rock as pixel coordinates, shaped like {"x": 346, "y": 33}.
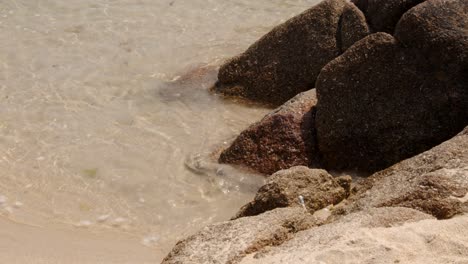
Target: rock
{"x": 229, "y": 242}
{"x": 380, "y": 103}
{"x": 352, "y": 27}
{"x": 289, "y": 235}
{"x": 384, "y": 235}
{"x": 439, "y": 30}
{"x": 434, "y": 182}
{"x": 288, "y": 59}
{"x": 283, "y": 189}
{"x": 282, "y": 139}
{"x": 383, "y": 15}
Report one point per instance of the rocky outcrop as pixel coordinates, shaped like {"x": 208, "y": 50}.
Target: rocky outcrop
{"x": 435, "y": 182}
{"x": 383, "y": 15}
{"x": 372, "y": 224}
{"x": 282, "y": 139}
{"x": 288, "y": 59}
{"x": 384, "y": 235}
{"x": 381, "y": 102}
{"x": 290, "y": 235}
{"x": 296, "y": 187}
{"x": 229, "y": 242}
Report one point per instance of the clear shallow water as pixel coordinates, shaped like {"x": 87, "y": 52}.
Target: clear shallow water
{"x": 98, "y": 129}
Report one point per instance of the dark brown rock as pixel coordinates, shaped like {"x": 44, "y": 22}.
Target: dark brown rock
{"x": 439, "y": 30}
{"x": 282, "y": 139}
{"x": 383, "y": 15}
{"x": 380, "y": 103}
{"x": 352, "y": 27}
{"x": 283, "y": 189}
{"x": 288, "y": 59}
{"x": 434, "y": 182}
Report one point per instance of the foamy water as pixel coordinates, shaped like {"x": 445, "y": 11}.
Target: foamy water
{"x": 97, "y": 128}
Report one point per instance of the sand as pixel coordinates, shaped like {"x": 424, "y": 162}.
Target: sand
{"x": 23, "y": 244}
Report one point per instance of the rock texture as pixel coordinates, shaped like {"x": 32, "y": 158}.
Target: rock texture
{"x": 384, "y": 235}
{"x": 380, "y": 103}
{"x": 438, "y": 29}
{"x": 383, "y": 15}
{"x": 282, "y": 139}
{"x": 317, "y": 188}
{"x": 435, "y": 182}
{"x": 288, "y": 235}
{"x": 352, "y": 27}
{"x": 288, "y": 59}
{"x": 230, "y": 241}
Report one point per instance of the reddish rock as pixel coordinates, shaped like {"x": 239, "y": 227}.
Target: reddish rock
{"x": 282, "y": 139}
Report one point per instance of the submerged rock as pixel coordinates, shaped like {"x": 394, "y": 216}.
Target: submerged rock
{"x": 282, "y": 139}
{"x": 229, "y": 242}
{"x": 287, "y": 60}
{"x": 435, "y": 182}
{"x": 381, "y": 102}
{"x": 296, "y": 187}
{"x": 383, "y": 15}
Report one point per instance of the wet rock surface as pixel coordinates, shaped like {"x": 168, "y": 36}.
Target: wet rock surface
{"x": 289, "y": 188}
{"x": 282, "y": 139}
{"x": 288, "y": 59}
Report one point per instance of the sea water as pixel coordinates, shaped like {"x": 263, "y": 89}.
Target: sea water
{"x": 105, "y": 116}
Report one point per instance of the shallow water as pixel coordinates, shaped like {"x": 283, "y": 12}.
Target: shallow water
{"x": 97, "y": 127}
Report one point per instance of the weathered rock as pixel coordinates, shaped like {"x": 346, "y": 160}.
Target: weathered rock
{"x": 384, "y": 235}
{"x": 380, "y": 103}
{"x": 435, "y": 182}
{"x": 289, "y": 235}
{"x": 383, "y": 15}
{"x": 317, "y": 188}
{"x": 230, "y": 241}
{"x": 288, "y": 59}
{"x": 439, "y": 30}
{"x": 282, "y": 139}
{"x": 352, "y": 27}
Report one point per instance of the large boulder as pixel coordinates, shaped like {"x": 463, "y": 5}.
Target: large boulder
{"x": 383, "y": 15}
{"x": 287, "y": 60}
{"x": 229, "y": 242}
{"x": 289, "y": 188}
{"x": 439, "y": 30}
{"x": 282, "y": 139}
{"x": 435, "y": 182}
{"x": 381, "y": 102}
